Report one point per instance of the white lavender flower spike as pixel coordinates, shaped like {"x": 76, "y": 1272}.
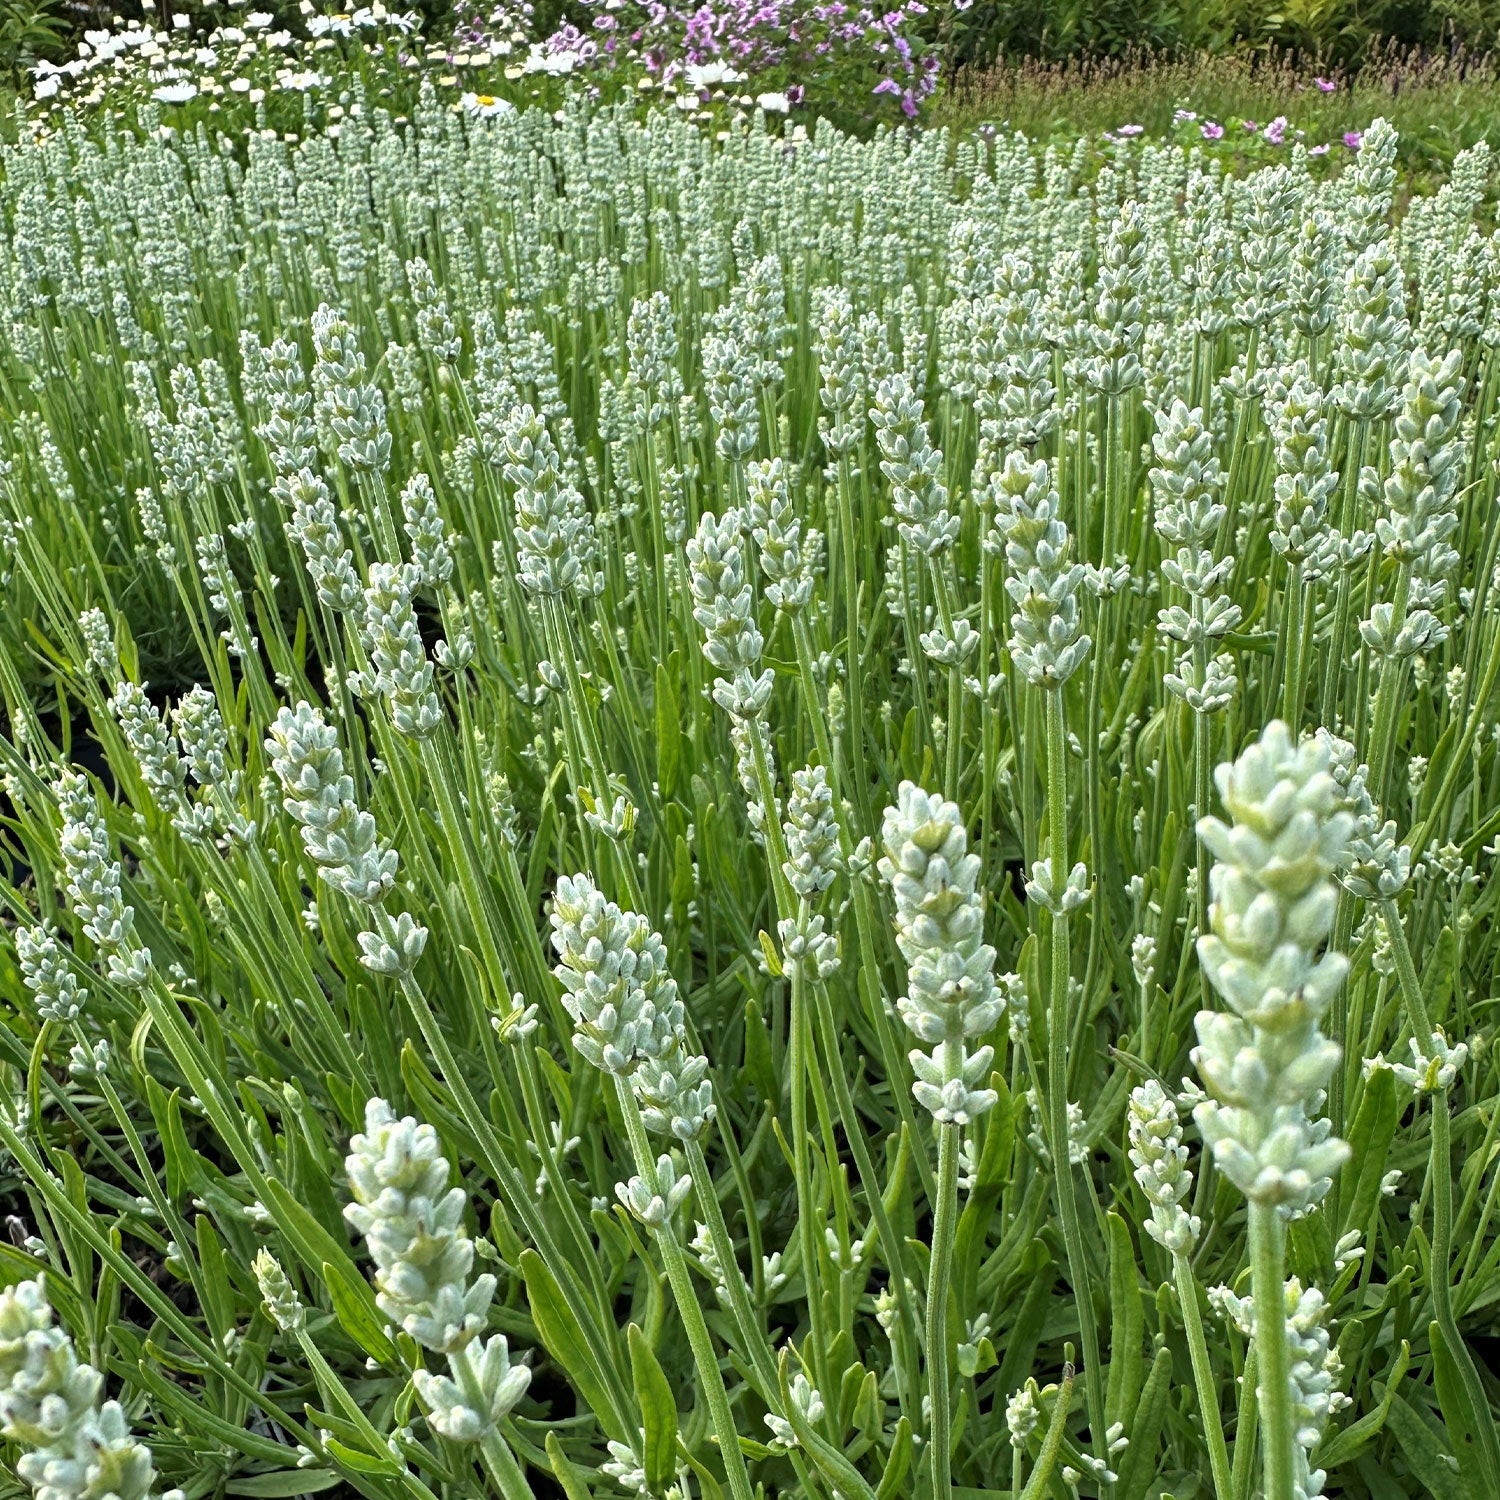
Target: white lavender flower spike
{"x": 412, "y": 1222}
{"x": 1272, "y": 909}
{"x": 951, "y": 994}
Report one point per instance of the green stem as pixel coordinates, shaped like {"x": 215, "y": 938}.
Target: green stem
{"x": 1388, "y": 695}
{"x": 1203, "y": 1377}
{"x": 761, "y": 1355}
{"x": 853, "y": 638}
{"x": 807, "y": 1235}
{"x": 710, "y": 1377}
{"x": 1292, "y": 688}
{"x": 944, "y": 1224}
{"x": 501, "y": 1462}
{"x": 1057, "y": 1074}
{"x": 1051, "y": 1444}
{"x": 1268, "y": 1289}
{"x": 890, "y": 1244}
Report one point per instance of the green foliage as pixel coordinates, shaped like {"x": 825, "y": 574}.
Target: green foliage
{"x": 29, "y": 29}
{"x": 1440, "y": 104}
{"x": 1348, "y": 31}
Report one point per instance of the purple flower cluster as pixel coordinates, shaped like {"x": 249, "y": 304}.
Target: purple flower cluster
{"x": 482, "y": 27}
{"x": 795, "y": 45}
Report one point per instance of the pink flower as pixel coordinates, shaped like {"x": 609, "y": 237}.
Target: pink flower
{"x": 1129, "y": 129}
{"x": 1318, "y": 150}
{"x": 1354, "y": 139}
{"x": 886, "y": 86}
{"x": 1212, "y": 130}
{"x": 1250, "y": 126}
{"x": 1325, "y": 85}
{"x": 1183, "y": 116}
{"x": 1275, "y": 132}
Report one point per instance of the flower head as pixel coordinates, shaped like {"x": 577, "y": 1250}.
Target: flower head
{"x": 413, "y": 1223}
{"x": 1272, "y": 909}
{"x": 951, "y": 993}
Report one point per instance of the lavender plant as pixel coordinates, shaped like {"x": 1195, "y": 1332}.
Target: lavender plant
{"x": 743, "y": 815}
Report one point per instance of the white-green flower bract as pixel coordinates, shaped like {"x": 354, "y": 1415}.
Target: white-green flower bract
{"x": 1271, "y": 912}
{"x": 616, "y": 984}
{"x": 45, "y": 972}
{"x": 205, "y": 747}
{"x": 841, "y": 363}
{"x": 1427, "y": 454}
{"x": 483, "y": 1387}
{"x": 808, "y": 1401}
{"x": 651, "y": 345}
{"x": 1113, "y": 365}
{"x": 1376, "y": 866}
{"x": 1022, "y": 1414}
{"x": 1372, "y": 182}
{"x": 628, "y": 1016}
{"x": 98, "y": 643}
{"x": 951, "y": 995}
{"x": 1047, "y": 640}
{"x": 729, "y": 372}
{"x": 423, "y": 523}
{"x": 413, "y": 1223}
{"x": 288, "y": 431}
{"x": 1296, "y": 415}
{"x": 912, "y": 464}
{"x": 1315, "y": 1367}
{"x": 1269, "y": 201}
{"x": 72, "y": 1446}
{"x": 339, "y": 837}
{"x": 813, "y": 862}
{"x": 351, "y": 407}
{"x": 403, "y": 674}
{"x": 812, "y": 839}
{"x": 278, "y": 1294}
{"x": 724, "y": 606}
{"x": 1015, "y": 398}
{"x": 1312, "y": 274}
{"x": 554, "y": 531}
{"x": 153, "y": 745}
{"x": 1373, "y": 335}
{"x": 788, "y": 557}
{"x": 314, "y": 525}
{"x": 1161, "y": 1169}
{"x": 435, "y": 330}
{"x": 94, "y": 883}
{"x": 1433, "y": 1067}
{"x": 1188, "y": 482}
{"x": 624, "y": 1467}
{"x": 654, "y": 1196}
